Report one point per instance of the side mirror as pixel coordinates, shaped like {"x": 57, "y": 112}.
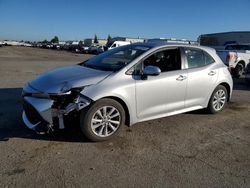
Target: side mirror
{"x": 151, "y": 71}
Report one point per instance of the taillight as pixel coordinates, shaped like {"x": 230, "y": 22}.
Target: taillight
{"x": 231, "y": 57}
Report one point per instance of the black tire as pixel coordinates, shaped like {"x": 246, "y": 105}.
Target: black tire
{"x": 86, "y": 118}
{"x": 238, "y": 71}
{"x": 211, "y": 109}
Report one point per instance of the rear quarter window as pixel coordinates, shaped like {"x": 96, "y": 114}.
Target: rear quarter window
{"x": 208, "y": 58}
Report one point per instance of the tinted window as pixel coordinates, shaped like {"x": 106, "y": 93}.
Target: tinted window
{"x": 242, "y": 47}
{"x": 197, "y": 58}
{"x": 230, "y": 48}
{"x": 237, "y": 47}
{"x": 167, "y": 60}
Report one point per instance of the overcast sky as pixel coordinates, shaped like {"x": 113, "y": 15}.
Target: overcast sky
{"x": 79, "y": 19}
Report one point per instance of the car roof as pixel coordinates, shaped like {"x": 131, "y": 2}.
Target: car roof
{"x": 166, "y": 44}
{"x": 149, "y": 44}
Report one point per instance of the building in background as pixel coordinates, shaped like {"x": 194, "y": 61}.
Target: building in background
{"x": 128, "y": 39}
{"x": 222, "y": 39}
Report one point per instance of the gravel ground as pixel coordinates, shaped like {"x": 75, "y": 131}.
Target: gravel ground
{"x": 188, "y": 150}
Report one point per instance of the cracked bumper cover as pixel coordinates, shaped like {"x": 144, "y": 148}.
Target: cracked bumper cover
{"x": 38, "y": 111}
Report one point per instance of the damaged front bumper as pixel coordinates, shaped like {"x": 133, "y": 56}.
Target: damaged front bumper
{"x": 44, "y": 115}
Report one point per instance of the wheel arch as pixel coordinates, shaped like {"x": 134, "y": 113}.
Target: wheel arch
{"x": 227, "y": 86}
{"x": 124, "y": 105}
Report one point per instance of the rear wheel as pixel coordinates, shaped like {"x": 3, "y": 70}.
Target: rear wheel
{"x": 218, "y": 100}
{"x": 102, "y": 120}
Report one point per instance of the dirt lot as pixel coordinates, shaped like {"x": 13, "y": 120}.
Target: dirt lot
{"x": 188, "y": 150}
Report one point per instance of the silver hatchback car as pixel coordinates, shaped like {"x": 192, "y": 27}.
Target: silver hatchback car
{"x": 126, "y": 85}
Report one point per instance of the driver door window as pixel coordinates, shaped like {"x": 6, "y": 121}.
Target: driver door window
{"x": 167, "y": 60}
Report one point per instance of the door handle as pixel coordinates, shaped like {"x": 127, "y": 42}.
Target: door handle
{"x": 181, "y": 78}
{"x": 211, "y": 73}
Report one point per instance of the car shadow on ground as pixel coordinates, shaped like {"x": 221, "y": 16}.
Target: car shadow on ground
{"x": 11, "y": 125}
{"x": 67, "y": 135}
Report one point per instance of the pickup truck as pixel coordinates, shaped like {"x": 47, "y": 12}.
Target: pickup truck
{"x": 236, "y": 57}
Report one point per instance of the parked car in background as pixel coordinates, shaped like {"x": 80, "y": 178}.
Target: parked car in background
{"x": 100, "y": 49}
{"x": 126, "y": 85}
{"x": 56, "y": 46}
{"x": 116, "y": 44}
{"x": 49, "y": 45}
{"x": 39, "y": 45}
{"x": 84, "y": 49}
{"x": 237, "y": 57}
{"x": 73, "y": 48}
{"x": 95, "y": 49}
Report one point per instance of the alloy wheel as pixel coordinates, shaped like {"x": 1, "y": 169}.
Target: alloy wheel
{"x": 105, "y": 121}
{"x": 219, "y": 99}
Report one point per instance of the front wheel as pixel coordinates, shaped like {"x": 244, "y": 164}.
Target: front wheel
{"x": 102, "y": 120}
{"x": 218, "y": 100}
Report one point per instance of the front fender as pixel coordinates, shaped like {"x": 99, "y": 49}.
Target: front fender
{"x": 124, "y": 92}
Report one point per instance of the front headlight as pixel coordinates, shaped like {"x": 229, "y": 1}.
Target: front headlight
{"x": 63, "y": 99}
{"x": 66, "y": 88}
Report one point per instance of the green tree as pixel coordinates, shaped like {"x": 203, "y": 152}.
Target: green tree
{"x": 95, "y": 39}
{"x": 45, "y": 41}
{"x": 55, "y": 39}
{"x": 109, "y": 38}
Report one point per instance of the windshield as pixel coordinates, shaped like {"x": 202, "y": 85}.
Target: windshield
{"x": 114, "y": 60}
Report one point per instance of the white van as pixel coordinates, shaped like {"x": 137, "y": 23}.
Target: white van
{"x": 118, "y": 43}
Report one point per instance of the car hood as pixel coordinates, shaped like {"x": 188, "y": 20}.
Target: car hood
{"x": 65, "y": 78}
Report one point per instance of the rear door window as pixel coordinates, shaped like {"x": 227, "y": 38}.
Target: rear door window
{"x": 197, "y": 58}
